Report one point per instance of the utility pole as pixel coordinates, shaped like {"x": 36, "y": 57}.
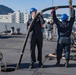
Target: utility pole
{"x": 70, "y": 3}
{"x": 52, "y": 2}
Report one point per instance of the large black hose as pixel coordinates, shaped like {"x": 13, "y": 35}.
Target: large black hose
{"x": 31, "y": 27}
{"x": 66, "y": 6}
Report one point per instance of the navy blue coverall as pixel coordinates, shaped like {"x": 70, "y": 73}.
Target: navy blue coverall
{"x": 36, "y": 38}
{"x": 64, "y": 32}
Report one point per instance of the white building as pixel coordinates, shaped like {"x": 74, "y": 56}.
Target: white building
{"x": 9, "y": 18}
{"x": 26, "y": 17}
{"x": 16, "y": 17}
{"x": 19, "y": 17}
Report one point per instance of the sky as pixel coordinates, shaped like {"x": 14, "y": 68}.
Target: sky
{"x": 25, "y": 5}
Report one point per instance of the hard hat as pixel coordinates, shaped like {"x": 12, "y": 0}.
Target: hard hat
{"x": 64, "y": 17}
{"x": 32, "y": 9}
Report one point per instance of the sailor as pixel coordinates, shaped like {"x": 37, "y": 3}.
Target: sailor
{"x": 64, "y": 32}
{"x": 36, "y": 37}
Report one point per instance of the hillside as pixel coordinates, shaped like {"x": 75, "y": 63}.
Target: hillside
{"x": 5, "y": 10}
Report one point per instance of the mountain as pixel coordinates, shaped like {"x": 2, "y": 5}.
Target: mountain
{"x": 5, "y": 10}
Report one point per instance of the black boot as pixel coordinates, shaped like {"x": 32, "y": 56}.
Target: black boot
{"x": 58, "y": 63}
{"x": 31, "y": 65}
{"x": 66, "y": 63}
{"x": 40, "y": 64}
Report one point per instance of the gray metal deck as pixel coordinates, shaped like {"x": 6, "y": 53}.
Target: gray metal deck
{"x": 11, "y": 49}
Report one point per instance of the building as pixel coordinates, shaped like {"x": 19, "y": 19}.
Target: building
{"x": 9, "y": 18}
{"x": 16, "y": 17}
{"x": 19, "y": 17}
{"x": 26, "y": 17}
